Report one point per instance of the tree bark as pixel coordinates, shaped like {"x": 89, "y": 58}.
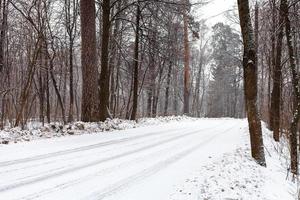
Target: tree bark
{"x": 89, "y": 108}
{"x": 250, "y": 83}
{"x": 296, "y": 91}
{"x": 168, "y": 89}
{"x": 136, "y": 64}
{"x": 48, "y": 107}
{"x": 276, "y": 92}
{"x": 71, "y": 79}
{"x": 272, "y": 61}
{"x": 186, "y": 106}
{"x": 104, "y": 75}
{"x": 3, "y": 28}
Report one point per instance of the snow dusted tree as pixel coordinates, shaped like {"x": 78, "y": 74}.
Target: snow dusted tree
{"x": 250, "y": 83}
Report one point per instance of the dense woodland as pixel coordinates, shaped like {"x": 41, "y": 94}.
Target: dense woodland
{"x": 71, "y": 60}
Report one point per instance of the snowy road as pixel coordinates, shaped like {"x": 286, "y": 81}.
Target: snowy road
{"x": 136, "y": 164}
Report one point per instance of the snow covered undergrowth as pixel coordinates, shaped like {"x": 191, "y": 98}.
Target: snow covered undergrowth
{"x": 35, "y": 130}
{"x": 236, "y": 176}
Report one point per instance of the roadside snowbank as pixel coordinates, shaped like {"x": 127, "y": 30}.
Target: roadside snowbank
{"x": 35, "y": 130}
{"x": 236, "y": 176}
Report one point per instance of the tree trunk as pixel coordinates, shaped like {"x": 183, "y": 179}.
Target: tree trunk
{"x": 276, "y": 92}
{"x": 41, "y": 92}
{"x": 48, "y": 109}
{"x": 197, "y": 87}
{"x": 250, "y": 83}
{"x": 71, "y": 79}
{"x": 115, "y": 62}
{"x": 104, "y": 75}
{"x": 168, "y": 89}
{"x": 175, "y": 102}
{"x": 296, "y": 91}
{"x": 273, "y": 60}
{"x": 3, "y": 27}
{"x": 136, "y": 64}
{"x": 89, "y": 107}
{"x": 186, "y": 103}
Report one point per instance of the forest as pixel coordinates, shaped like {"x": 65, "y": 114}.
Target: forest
{"x": 91, "y": 60}
{"x": 135, "y": 59}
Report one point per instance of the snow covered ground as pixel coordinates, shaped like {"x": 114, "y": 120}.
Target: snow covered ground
{"x": 35, "y": 130}
{"x": 179, "y": 160}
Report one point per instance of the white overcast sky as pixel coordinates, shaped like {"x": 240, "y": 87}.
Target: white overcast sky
{"x": 214, "y": 11}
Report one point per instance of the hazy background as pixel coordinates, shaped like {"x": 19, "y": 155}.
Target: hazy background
{"x": 215, "y": 11}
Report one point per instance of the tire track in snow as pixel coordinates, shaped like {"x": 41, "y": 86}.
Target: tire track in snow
{"x": 125, "y": 183}
{"x": 80, "y": 149}
{"x": 68, "y": 166}
{"x": 165, "y": 133}
{"x": 105, "y": 171}
{"x": 94, "y": 163}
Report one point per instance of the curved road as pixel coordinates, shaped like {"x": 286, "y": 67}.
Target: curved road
{"x": 136, "y": 164}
